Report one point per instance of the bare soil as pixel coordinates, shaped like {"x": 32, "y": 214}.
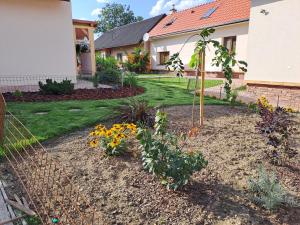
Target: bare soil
{"x": 125, "y": 194}
{"x": 78, "y": 94}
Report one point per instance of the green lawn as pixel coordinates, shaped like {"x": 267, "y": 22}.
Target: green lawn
{"x": 59, "y": 120}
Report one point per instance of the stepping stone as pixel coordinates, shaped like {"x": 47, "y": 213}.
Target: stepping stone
{"x": 41, "y": 113}
{"x": 74, "y": 110}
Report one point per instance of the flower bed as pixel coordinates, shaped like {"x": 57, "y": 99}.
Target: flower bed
{"x": 79, "y": 94}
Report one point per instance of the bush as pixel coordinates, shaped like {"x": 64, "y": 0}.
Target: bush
{"x": 113, "y": 141}
{"x": 233, "y": 97}
{"x": 108, "y": 76}
{"x": 106, "y": 63}
{"x": 267, "y": 191}
{"x": 137, "y": 61}
{"x": 162, "y": 155}
{"x": 277, "y": 126}
{"x": 18, "y": 94}
{"x": 56, "y": 88}
{"x": 138, "y": 111}
{"x": 130, "y": 80}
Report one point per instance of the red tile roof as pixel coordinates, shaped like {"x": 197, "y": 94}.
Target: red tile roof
{"x": 227, "y": 12}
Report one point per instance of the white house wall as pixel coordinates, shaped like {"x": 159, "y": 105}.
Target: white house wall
{"x": 36, "y": 40}
{"x": 173, "y": 44}
{"x": 274, "y": 46}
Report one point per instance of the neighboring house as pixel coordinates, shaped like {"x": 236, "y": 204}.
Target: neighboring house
{"x": 121, "y": 41}
{"x": 230, "y": 18}
{"x": 85, "y": 47}
{"x": 274, "y": 51}
{"x": 37, "y": 41}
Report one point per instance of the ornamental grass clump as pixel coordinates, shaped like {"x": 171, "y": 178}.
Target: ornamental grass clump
{"x": 114, "y": 140}
{"x": 164, "y": 157}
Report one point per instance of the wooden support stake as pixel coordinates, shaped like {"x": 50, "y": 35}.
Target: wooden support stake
{"x": 202, "y": 89}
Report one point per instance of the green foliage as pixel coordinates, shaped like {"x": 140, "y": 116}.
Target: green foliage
{"x": 109, "y": 76}
{"x": 267, "y": 191}
{"x": 162, "y": 155}
{"x": 51, "y": 87}
{"x": 106, "y": 63}
{"x": 223, "y": 57}
{"x": 137, "y": 111}
{"x": 115, "y": 15}
{"x": 18, "y": 94}
{"x": 108, "y": 71}
{"x": 137, "y": 61}
{"x": 176, "y": 64}
{"x": 33, "y": 220}
{"x": 130, "y": 80}
{"x": 233, "y": 97}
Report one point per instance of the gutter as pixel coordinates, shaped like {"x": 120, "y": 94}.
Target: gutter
{"x": 201, "y": 28}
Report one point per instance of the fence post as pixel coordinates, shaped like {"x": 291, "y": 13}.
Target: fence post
{"x": 2, "y": 118}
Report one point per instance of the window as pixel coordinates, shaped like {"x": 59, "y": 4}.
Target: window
{"x": 209, "y": 13}
{"x": 163, "y": 57}
{"x": 120, "y": 57}
{"x": 170, "y": 22}
{"x": 230, "y": 43}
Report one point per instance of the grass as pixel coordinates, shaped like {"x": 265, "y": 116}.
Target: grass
{"x": 60, "y": 120}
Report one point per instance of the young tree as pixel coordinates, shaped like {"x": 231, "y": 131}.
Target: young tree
{"x": 115, "y": 15}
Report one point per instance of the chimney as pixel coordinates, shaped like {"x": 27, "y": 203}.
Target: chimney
{"x": 173, "y": 10}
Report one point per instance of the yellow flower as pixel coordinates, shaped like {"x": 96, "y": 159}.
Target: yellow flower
{"x": 99, "y": 127}
{"x": 109, "y": 133}
{"x": 115, "y": 142}
{"x": 120, "y": 136}
{"x": 93, "y": 134}
{"x": 94, "y": 143}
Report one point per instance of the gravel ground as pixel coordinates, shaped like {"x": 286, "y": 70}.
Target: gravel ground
{"x": 125, "y": 194}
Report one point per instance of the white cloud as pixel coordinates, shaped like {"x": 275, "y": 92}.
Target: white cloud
{"x": 103, "y": 1}
{"x": 163, "y": 6}
{"x": 96, "y": 12}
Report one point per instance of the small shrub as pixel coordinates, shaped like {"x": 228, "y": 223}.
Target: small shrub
{"x": 267, "y": 191}
{"x": 162, "y": 155}
{"x": 277, "y": 126}
{"x": 137, "y": 61}
{"x": 233, "y": 97}
{"x": 138, "y": 111}
{"x": 109, "y": 76}
{"x": 113, "y": 141}
{"x": 106, "y": 63}
{"x": 56, "y": 88}
{"x": 130, "y": 80}
{"x": 18, "y": 94}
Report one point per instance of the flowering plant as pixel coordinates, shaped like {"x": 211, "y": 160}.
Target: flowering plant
{"x": 113, "y": 140}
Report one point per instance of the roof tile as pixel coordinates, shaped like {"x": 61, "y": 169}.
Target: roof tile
{"x": 228, "y": 11}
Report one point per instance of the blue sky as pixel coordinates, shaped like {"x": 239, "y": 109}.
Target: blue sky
{"x": 88, "y": 9}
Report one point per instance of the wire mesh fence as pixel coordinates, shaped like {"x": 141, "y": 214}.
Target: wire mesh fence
{"x": 29, "y": 83}
{"x": 50, "y": 191}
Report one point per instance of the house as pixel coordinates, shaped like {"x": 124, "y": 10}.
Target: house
{"x": 85, "y": 47}
{"x": 274, "y": 51}
{"x": 37, "y": 41}
{"x": 178, "y": 31}
{"x": 120, "y": 41}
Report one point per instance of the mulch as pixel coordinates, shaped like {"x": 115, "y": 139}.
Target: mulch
{"x": 79, "y": 94}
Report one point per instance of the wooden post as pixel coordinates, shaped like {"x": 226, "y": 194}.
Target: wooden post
{"x": 2, "y": 118}
{"x": 92, "y": 49}
{"x": 202, "y": 89}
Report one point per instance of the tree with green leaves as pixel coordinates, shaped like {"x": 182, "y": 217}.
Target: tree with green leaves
{"x": 223, "y": 57}
{"x": 115, "y": 15}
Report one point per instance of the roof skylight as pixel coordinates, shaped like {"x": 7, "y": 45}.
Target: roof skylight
{"x": 208, "y": 13}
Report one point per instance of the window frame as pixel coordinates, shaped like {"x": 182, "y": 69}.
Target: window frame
{"x": 233, "y": 43}
{"x": 160, "y": 57}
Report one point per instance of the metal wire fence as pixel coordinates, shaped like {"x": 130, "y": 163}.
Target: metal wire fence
{"x": 50, "y": 191}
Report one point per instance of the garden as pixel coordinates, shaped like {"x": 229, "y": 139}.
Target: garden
{"x": 142, "y": 158}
